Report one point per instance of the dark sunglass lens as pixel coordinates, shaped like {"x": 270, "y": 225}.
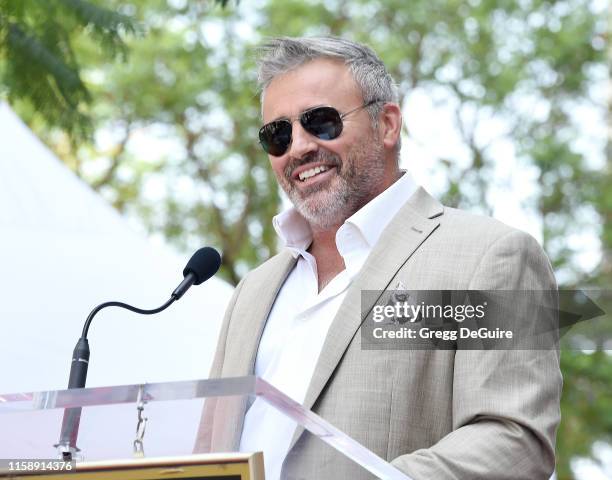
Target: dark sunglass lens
{"x": 275, "y": 137}
{"x": 324, "y": 122}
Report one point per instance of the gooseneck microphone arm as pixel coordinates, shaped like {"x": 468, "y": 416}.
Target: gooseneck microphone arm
{"x": 127, "y": 307}
{"x": 80, "y": 354}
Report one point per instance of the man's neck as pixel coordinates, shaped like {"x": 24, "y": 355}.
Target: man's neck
{"x": 325, "y": 238}
{"x": 329, "y": 261}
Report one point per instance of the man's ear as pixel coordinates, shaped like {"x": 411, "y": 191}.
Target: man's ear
{"x": 390, "y": 124}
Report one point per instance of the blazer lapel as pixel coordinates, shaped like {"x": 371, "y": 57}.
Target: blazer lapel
{"x": 256, "y": 306}
{"x": 402, "y": 237}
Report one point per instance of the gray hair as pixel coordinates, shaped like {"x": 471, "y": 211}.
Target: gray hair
{"x": 283, "y": 54}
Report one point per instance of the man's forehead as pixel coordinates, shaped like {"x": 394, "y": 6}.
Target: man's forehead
{"x": 318, "y": 82}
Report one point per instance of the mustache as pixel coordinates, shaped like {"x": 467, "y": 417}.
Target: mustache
{"x": 321, "y": 156}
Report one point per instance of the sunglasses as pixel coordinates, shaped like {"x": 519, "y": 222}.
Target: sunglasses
{"x": 325, "y": 123}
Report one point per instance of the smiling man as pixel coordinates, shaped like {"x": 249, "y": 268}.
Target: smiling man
{"x": 331, "y": 129}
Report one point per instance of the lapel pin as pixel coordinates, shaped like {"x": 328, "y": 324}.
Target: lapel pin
{"x": 400, "y": 294}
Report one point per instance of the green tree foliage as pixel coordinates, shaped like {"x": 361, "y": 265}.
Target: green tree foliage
{"x": 586, "y": 407}
{"x": 189, "y": 91}
{"x": 38, "y": 65}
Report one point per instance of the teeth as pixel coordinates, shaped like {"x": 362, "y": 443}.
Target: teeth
{"x": 312, "y": 172}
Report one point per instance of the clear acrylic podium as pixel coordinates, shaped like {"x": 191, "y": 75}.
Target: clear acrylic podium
{"x": 111, "y": 423}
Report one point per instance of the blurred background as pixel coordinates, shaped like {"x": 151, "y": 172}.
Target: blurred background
{"x": 507, "y": 111}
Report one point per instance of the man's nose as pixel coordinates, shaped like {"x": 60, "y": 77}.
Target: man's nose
{"x": 302, "y": 142}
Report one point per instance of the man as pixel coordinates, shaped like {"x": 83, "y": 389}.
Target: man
{"x": 332, "y": 133}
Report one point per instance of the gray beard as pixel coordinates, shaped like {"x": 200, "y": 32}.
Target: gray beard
{"x": 346, "y": 193}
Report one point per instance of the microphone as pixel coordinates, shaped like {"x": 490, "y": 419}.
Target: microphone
{"x": 203, "y": 264}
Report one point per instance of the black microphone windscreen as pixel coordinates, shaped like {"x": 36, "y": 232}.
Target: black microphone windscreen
{"x": 203, "y": 264}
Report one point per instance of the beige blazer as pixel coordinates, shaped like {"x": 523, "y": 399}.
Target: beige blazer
{"x": 435, "y": 414}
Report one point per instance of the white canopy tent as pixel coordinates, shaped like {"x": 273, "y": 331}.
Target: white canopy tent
{"x": 63, "y": 250}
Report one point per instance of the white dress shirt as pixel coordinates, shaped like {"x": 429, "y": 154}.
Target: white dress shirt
{"x": 301, "y": 316}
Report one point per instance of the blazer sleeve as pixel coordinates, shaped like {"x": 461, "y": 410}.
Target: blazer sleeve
{"x": 204, "y": 435}
{"x": 505, "y": 402}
